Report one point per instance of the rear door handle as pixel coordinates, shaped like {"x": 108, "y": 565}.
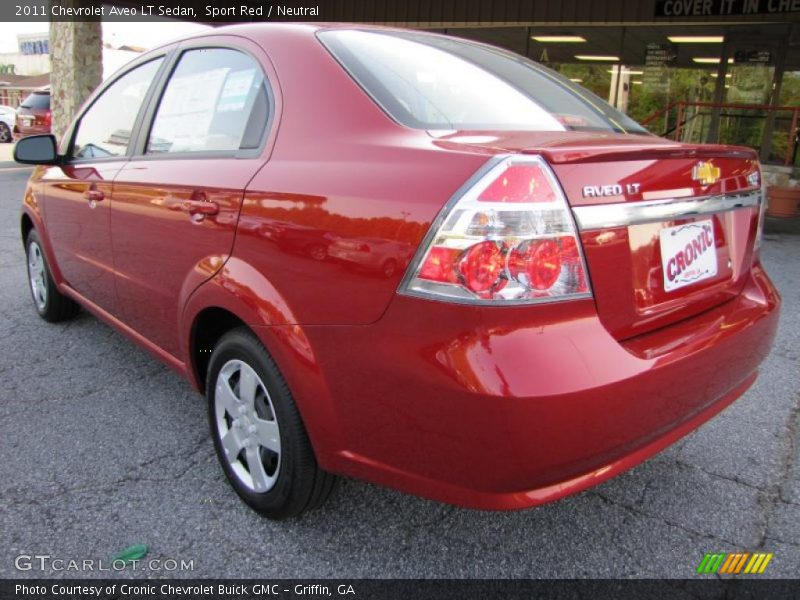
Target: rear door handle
{"x": 200, "y": 207}
{"x": 93, "y": 195}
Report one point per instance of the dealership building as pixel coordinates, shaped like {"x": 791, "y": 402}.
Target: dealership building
{"x": 694, "y": 70}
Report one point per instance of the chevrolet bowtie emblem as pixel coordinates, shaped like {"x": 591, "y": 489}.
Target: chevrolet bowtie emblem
{"x": 705, "y": 172}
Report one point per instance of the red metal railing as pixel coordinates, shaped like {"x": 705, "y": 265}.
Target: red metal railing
{"x": 682, "y": 117}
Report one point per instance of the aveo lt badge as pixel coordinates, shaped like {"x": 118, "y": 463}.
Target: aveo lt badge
{"x": 614, "y": 189}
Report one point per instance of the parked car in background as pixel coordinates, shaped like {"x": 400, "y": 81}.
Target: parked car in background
{"x": 309, "y": 241}
{"x": 374, "y": 255}
{"x": 7, "y": 119}
{"x": 33, "y": 115}
{"x": 559, "y": 294}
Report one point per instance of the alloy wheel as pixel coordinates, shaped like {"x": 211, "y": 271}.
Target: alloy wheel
{"x": 247, "y": 425}
{"x": 37, "y": 275}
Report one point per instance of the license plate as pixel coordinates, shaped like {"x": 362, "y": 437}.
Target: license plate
{"x": 688, "y": 254}
{"x": 27, "y": 120}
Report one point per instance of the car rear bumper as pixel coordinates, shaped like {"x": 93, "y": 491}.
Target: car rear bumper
{"x": 22, "y": 132}
{"x": 509, "y": 408}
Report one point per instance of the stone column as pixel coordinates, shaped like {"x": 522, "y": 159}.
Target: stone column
{"x": 76, "y": 67}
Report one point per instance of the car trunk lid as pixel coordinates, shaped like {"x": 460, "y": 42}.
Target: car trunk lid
{"x": 667, "y": 229}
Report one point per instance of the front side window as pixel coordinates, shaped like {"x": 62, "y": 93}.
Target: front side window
{"x": 435, "y": 82}
{"x": 215, "y": 101}
{"x": 105, "y": 128}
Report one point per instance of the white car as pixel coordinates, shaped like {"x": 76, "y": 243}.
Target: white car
{"x": 7, "y": 117}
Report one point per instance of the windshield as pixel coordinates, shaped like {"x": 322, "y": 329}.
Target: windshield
{"x": 37, "y": 100}
{"x": 434, "y": 82}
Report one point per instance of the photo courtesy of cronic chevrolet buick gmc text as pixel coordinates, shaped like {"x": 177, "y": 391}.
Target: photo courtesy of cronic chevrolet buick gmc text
{"x": 403, "y": 257}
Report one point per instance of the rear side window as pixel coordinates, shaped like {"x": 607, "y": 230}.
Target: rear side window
{"x": 105, "y": 128}
{"x": 215, "y": 101}
{"x": 434, "y": 82}
{"x": 37, "y": 100}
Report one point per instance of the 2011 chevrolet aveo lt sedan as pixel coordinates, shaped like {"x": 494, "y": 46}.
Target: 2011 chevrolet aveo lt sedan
{"x": 403, "y": 257}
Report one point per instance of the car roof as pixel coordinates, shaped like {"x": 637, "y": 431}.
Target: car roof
{"x": 263, "y": 32}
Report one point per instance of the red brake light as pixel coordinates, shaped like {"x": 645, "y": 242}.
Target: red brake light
{"x": 510, "y": 237}
{"x": 439, "y": 265}
{"x": 540, "y": 263}
{"x": 482, "y": 266}
{"x": 519, "y": 183}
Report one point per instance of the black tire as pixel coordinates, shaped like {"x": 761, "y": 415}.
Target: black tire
{"x": 300, "y": 484}
{"x": 5, "y": 134}
{"x": 55, "y": 307}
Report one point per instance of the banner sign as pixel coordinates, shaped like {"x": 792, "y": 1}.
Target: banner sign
{"x": 724, "y": 8}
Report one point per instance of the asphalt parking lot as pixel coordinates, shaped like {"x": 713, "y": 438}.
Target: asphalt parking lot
{"x": 103, "y": 447}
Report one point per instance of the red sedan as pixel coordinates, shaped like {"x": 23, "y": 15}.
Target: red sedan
{"x": 33, "y": 115}
{"x": 577, "y": 294}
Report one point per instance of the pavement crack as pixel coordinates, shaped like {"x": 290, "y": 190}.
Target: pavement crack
{"x": 730, "y": 478}
{"x": 782, "y": 541}
{"x": 769, "y": 499}
{"x": 643, "y": 513}
{"x": 791, "y": 451}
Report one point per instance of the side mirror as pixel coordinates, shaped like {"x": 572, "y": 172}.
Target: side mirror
{"x": 36, "y": 150}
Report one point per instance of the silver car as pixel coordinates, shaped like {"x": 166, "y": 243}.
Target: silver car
{"x": 7, "y": 118}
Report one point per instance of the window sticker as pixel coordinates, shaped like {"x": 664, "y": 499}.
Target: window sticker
{"x": 236, "y": 91}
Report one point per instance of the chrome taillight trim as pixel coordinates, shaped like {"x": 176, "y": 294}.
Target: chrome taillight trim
{"x": 623, "y": 214}
{"x": 467, "y": 188}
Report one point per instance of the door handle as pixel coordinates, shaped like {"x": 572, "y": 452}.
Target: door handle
{"x": 200, "y": 207}
{"x": 197, "y": 205}
{"x": 93, "y": 195}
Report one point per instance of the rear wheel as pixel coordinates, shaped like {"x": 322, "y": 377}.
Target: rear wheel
{"x": 51, "y": 304}
{"x": 259, "y": 437}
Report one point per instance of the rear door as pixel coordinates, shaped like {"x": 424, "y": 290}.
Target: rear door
{"x": 177, "y": 202}
{"x": 78, "y": 193}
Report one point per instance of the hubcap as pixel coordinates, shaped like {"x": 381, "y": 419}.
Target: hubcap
{"x": 247, "y": 426}
{"x": 37, "y": 276}
{"x": 5, "y": 133}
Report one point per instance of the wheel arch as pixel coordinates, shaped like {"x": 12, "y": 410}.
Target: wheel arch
{"x": 209, "y": 325}
{"x": 26, "y": 225}
{"x": 30, "y": 219}
{"x": 239, "y": 295}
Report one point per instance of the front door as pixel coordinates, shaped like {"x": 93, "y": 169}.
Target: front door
{"x": 78, "y": 193}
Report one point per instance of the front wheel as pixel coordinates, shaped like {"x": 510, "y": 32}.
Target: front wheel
{"x": 51, "y": 304}
{"x": 259, "y": 437}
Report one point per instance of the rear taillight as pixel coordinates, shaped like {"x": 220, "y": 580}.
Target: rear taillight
{"x": 509, "y": 238}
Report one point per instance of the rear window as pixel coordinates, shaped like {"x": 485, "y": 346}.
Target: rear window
{"x": 37, "y": 100}
{"x": 425, "y": 81}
